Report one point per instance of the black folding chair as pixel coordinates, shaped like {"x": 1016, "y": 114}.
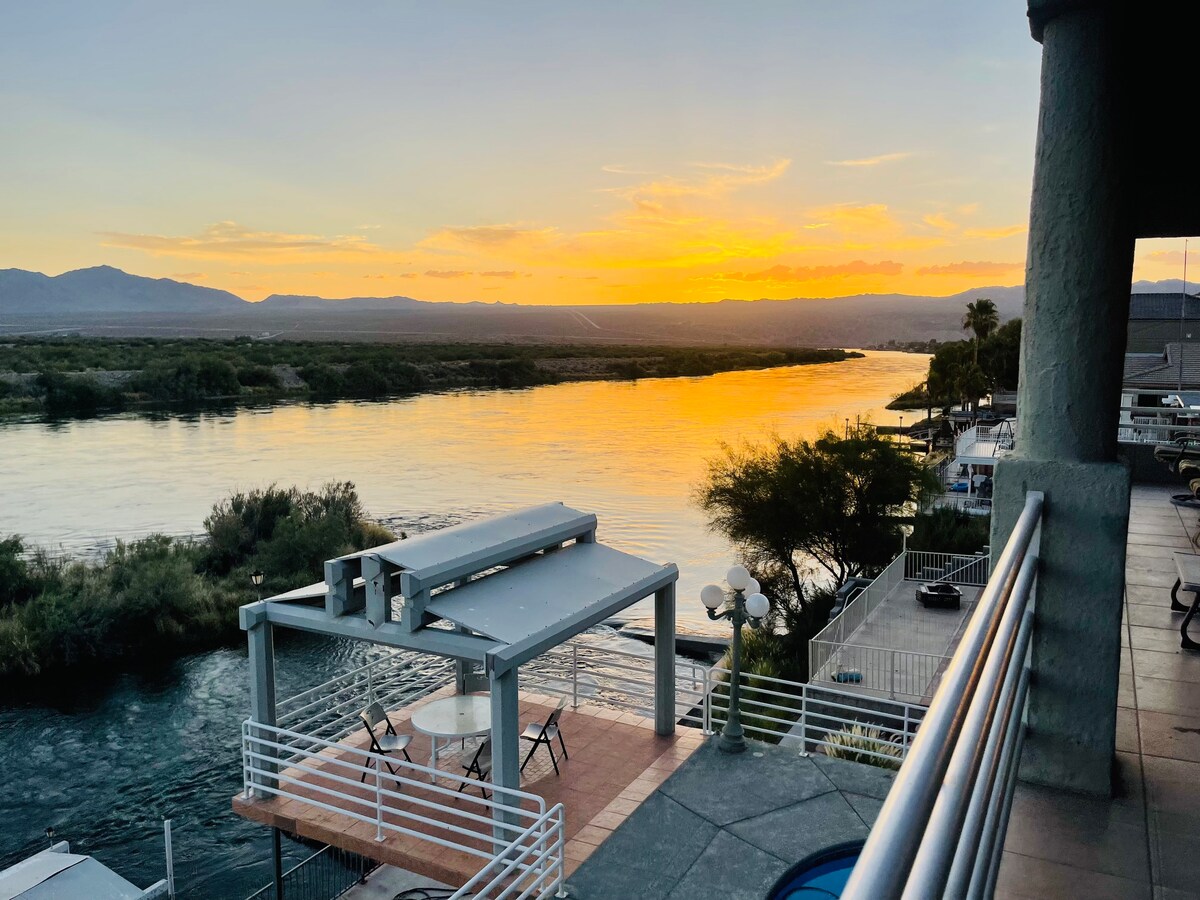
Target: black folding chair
{"x": 480, "y": 767}
{"x": 389, "y": 742}
{"x": 545, "y": 733}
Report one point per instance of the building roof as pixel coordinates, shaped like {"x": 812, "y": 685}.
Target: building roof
{"x": 1161, "y": 370}
{"x": 55, "y": 873}
{"x": 1163, "y": 306}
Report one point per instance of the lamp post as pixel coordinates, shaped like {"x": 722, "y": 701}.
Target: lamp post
{"x": 745, "y": 609}
{"x": 256, "y": 579}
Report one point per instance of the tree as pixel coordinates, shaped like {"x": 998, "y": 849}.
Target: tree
{"x": 982, "y": 319}
{"x": 799, "y": 508}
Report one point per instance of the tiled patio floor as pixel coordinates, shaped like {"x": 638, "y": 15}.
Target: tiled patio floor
{"x": 1144, "y": 843}
{"x": 616, "y": 761}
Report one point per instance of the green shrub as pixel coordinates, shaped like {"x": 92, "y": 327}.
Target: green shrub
{"x": 323, "y": 381}
{"x": 257, "y": 377}
{"x": 948, "y": 530}
{"x": 162, "y": 597}
{"x": 190, "y": 380}
{"x": 863, "y": 744}
{"x": 75, "y": 394}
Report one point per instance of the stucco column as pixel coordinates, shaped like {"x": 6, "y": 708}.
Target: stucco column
{"x": 1072, "y": 347}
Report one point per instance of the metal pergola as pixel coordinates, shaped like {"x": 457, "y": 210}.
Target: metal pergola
{"x": 490, "y": 594}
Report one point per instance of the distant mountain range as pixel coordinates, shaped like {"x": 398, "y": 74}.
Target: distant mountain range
{"x": 105, "y": 300}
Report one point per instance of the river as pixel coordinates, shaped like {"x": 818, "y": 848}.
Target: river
{"x": 105, "y": 763}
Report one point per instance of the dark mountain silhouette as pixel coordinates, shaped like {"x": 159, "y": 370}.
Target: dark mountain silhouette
{"x": 105, "y": 300}
{"x": 105, "y": 289}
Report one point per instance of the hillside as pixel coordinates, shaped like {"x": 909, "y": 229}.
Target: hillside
{"x": 107, "y": 301}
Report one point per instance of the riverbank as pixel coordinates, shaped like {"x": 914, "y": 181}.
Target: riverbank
{"x": 86, "y": 376}
{"x": 160, "y": 597}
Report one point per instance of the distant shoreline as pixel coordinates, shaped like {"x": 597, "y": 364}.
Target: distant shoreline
{"x": 81, "y": 377}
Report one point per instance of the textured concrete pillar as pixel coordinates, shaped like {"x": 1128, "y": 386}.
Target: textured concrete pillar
{"x": 506, "y": 748}
{"x": 664, "y": 660}
{"x": 1076, "y": 308}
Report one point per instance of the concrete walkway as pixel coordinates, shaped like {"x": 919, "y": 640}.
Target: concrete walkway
{"x": 1144, "y": 843}
{"x": 726, "y": 827}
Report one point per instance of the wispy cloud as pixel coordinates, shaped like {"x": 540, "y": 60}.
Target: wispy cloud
{"x": 974, "y": 269}
{"x": 869, "y": 160}
{"x": 446, "y": 273}
{"x": 488, "y": 238}
{"x": 940, "y": 222}
{"x": 229, "y": 240}
{"x": 506, "y": 273}
{"x": 995, "y": 233}
{"x": 618, "y": 169}
{"x": 783, "y": 274}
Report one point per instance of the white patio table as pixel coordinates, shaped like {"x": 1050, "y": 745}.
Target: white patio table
{"x": 453, "y": 718}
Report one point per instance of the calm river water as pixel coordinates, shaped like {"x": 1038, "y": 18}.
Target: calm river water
{"x": 105, "y": 764}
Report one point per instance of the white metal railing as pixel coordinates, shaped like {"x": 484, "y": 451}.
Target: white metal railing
{"x": 790, "y": 712}
{"x": 330, "y": 710}
{"x": 965, "y": 502}
{"x": 896, "y": 673}
{"x": 1156, "y": 425}
{"x": 941, "y": 830}
{"x": 531, "y": 864}
{"x": 412, "y": 801}
{"x": 585, "y": 671}
{"x": 857, "y": 610}
{"x": 911, "y": 565}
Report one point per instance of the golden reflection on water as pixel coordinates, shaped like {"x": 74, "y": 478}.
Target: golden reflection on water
{"x": 632, "y": 452}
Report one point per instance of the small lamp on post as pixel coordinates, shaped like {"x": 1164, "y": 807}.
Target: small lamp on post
{"x": 256, "y": 579}
{"x": 749, "y": 606}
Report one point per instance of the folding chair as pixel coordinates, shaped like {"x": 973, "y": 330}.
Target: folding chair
{"x": 389, "y": 742}
{"x": 480, "y": 767}
{"x": 545, "y": 733}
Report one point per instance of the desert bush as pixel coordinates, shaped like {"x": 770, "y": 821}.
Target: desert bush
{"x": 863, "y": 744}
{"x": 947, "y": 530}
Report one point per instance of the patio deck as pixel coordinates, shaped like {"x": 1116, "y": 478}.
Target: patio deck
{"x": 1142, "y": 843}
{"x": 902, "y": 647}
{"x": 616, "y": 761}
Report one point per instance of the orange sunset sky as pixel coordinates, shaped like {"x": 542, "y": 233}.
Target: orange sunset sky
{"x": 533, "y": 152}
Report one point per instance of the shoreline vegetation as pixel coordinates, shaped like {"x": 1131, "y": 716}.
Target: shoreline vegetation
{"x": 64, "y": 377}
{"x": 160, "y": 598}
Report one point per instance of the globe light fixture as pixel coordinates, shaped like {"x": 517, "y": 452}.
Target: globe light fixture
{"x": 738, "y": 578}
{"x": 749, "y": 606}
{"x": 712, "y": 596}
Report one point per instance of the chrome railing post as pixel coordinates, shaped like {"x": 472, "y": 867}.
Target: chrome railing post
{"x": 378, "y": 800}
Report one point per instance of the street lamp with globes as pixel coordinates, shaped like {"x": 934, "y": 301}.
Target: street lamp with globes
{"x": 749, "y": 606}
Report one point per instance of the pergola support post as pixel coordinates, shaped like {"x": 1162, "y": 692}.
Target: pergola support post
{"x": 1080, "y": 263}
{"x": 506, "y": 749}
{"x": 260, "y": 637}
{"x": 664, "y": 660}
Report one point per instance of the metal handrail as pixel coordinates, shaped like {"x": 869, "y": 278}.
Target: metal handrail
{"x": 958, "y": 777}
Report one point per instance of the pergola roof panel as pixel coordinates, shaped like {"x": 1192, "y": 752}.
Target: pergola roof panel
{"x": 549, "y": 591}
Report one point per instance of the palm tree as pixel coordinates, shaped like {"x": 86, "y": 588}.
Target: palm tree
{"x": 981, "y": 318}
